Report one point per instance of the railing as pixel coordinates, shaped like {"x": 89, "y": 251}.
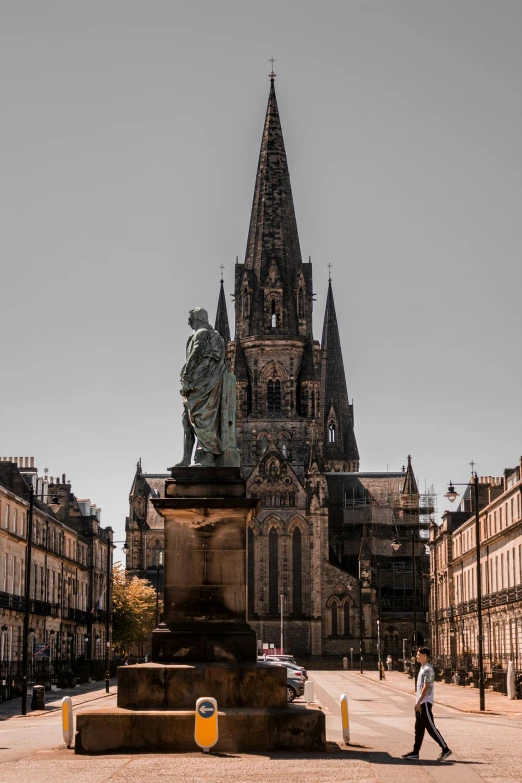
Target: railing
{"x": 79, "y": 616}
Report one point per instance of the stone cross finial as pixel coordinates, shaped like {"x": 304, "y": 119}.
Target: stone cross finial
{"x": 329, "y": 273}
{"x": 222, "y": 267}
{"x": 272, "y": 74}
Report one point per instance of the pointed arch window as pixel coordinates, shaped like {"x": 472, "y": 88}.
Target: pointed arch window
{"x": 273, "y": 393}
{"x": 284, "y": 445}
{"x": 263, "y": 444}
{"x": 331, "y": 432}
{"x": 273, "y": 572}
{"x": 251, "y": 572}
{"x": 346, "y": 618}
{"x": 300, "y": 303}
{"x": 246, "y": 303}
{"x": 297, "y": 571}
{"x": 273, "y": 314}
{"x": 334, "y": 619}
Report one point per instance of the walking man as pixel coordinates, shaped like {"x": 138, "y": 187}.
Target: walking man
{"x": 389, "y": 662}
{"x": 423, "y": 708}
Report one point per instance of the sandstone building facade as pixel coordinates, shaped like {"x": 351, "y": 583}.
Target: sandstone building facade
{"x": 453, "y": 575}
{"x": 295, "y": 431}
{"x": 71, "y": 560}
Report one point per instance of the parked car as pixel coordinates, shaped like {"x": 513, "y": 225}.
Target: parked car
{"x": 294, "y": 680}
{"x": 288, "y": 661}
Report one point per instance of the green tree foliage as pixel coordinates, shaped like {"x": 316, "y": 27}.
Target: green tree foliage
{"x": 133, "y": 610}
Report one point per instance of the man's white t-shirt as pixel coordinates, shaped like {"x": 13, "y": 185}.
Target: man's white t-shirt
{"x": 426, "y": 675}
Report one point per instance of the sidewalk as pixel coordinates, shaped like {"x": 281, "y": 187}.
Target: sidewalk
{"x": 53, "y": 699}
{"x": 462, "y": 698}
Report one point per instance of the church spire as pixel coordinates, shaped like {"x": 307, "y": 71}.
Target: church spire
{"x": 410, "y": 482}
{"x": 221, "y": 324}
{"x": 273, "y": 263}
{"x": 340, "y": 445}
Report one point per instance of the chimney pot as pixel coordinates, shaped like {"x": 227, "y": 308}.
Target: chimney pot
{"x": 32, "y": 462}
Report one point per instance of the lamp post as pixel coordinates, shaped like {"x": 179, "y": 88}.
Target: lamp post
{"x": 451, "y": 495}
{"x": 282, "y": 652}
{"x": 28, "y": 553}
{"x": 108, "y": 593}
{"x": 364, "y": 576}
{"x": 414, "y": 590}
{"x": 159, "y": 567}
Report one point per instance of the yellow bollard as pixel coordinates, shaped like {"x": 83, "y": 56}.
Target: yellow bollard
{"x": 206, "y": 731}
{"x": 67, "y": 720}
{"x": 345, "y": 718}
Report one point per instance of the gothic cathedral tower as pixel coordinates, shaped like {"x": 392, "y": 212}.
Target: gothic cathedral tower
{"x": 294, "y": 419}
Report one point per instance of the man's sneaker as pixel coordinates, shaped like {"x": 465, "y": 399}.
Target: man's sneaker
{"x": 411, "y": 755}
{"x": 444, "y": 754}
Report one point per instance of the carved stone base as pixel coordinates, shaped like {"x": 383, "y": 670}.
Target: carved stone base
{"x": 247, "y": 730}
{"x": 206, "y": 641}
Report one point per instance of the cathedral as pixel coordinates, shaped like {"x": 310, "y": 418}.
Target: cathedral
{"x": 335, "y": 552}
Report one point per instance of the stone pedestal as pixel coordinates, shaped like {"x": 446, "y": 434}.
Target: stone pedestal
{"x": 206, "y": 513}
{"x": 205, "y": 647}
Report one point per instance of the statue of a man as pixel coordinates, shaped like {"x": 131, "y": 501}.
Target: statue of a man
{"x": 205, "y": 388}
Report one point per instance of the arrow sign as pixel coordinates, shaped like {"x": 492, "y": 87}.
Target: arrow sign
{"x": 206, "y": 727}
{"x": 206, "y": 709}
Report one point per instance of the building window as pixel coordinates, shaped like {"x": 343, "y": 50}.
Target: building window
{"x": 274, "y": 397}
{"x": 334, "y": 619}
{"x": 346, "y": 612}
{"x": 273, "y": 572}
{"x": 284, "y": 445}
{"x": 297, "y": 572}
{"x": 331, "y": 433}
{"x": 251, "y": 571}
{"x": 6, "y": 517}
{"x": 263, "y": 444}
{"x": 273, "y": 314}
{"x": 300, "y": 304}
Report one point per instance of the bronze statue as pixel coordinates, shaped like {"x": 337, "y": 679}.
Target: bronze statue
{"x": 209, "y": 403}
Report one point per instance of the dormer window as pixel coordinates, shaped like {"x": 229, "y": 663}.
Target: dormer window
{"x": 331, "y": 433}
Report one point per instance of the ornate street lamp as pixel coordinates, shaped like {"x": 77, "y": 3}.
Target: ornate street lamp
{"x": 452, "y": 495}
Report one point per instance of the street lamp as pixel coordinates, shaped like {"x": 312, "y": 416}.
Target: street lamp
{"x": 25, "y": 640}
{"x": 125, "y": 550}
{"x": 365, "y": 575}
{"x": 282, "y": 598}
{"x": 414, "y": 590}
{"x": 452, "y": 495}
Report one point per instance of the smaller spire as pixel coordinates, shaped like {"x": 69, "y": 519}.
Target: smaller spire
{"x": 410, "y": 482}
{"x": 221, "y": 324}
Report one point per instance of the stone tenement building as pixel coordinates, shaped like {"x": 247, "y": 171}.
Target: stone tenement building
{"x": 295, "y": 431}
{"x": 453, "y": 575}
{"x": 70, "y": 559}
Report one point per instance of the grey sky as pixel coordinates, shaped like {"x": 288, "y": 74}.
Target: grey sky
{"x": 130, "y": 134}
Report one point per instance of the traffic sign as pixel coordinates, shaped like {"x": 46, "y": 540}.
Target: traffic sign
{"x": 206, "y": 731}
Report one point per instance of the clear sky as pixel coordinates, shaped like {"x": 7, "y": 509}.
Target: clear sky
{"x": 130, "y": 134}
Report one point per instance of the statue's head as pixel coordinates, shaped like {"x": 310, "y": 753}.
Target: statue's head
{"x": 198, "y": 317}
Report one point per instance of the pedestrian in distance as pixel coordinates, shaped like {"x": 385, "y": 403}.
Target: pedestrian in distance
{"x": 389, "y": 662}
{"x": 423, "y": 708}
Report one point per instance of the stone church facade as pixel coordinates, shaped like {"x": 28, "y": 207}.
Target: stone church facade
{"x": 295, "y": 432}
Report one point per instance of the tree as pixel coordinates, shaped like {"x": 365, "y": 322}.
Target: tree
{"x": 133, "y": 611}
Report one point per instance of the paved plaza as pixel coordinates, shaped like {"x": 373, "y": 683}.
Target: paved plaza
{"x": 486, "y": 747}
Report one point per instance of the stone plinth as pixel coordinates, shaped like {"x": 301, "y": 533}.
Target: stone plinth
{"x": 206, "y": 512}
{"x": 296, "y": 728}
{"x": 151, "y": 686}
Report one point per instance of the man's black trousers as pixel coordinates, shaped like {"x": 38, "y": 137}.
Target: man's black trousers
{"x": 424, "y": 720}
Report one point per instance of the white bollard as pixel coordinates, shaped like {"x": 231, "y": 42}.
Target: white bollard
{"x": 206, "y": 732}
{"x": 67, "y": 720}
{"x": 345, "y": 718}
{"x": 345, "y": 662}
{"x": 309, "y": 691}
